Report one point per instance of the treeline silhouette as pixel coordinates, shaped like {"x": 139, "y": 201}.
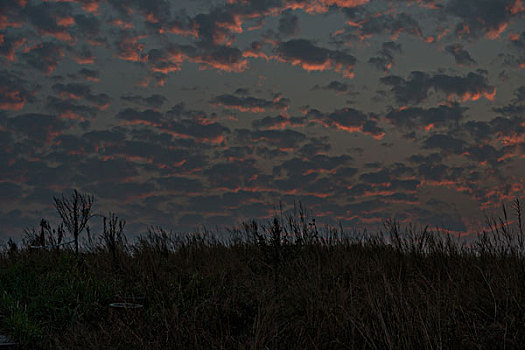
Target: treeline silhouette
{"x": 281, "y": 284}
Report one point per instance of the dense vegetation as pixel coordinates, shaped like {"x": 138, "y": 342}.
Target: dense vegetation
{"x": 281, "y": 285}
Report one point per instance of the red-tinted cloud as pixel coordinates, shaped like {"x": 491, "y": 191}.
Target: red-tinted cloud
{"x": 415, "y": 89}
{"x": 251, "y": 104}
{"x": 487, "y": 18}
{"x": 461, "y": 56}
{"x": 130, "y": 49}
{"x": 44, "y": 57}
{"x": 9, "y": 45}
{"x": 348, "y": 120}
{"x": 426, "y": 119}
{"x": 301, "y": 52}
{"x": 13, "y": 92}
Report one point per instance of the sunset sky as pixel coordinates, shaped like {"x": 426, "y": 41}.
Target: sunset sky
{"x": 190, "y": 113}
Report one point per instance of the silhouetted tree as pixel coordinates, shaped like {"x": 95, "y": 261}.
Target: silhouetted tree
{"x": 75, "y": 212}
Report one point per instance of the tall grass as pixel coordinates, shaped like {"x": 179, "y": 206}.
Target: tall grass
{"x": 283, "y": 284}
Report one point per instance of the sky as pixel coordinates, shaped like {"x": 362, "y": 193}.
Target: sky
{"x": 192, "y": 113}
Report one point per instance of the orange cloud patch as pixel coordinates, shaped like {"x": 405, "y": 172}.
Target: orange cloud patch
{"x": 514, "y": 37}
{"x": 210, "y": 62}
{"x": 322, "y": 6}
{"x": 176, "y": 28}
{"x": 346, "y": 70}
{"x": 303, "y": 53}
{"x": 245, "y": 109}
{"x": 445, "y": 183}
{"x": 66, "y": 21}
{"x": 250, "y": 104}
{"x": 429, "y": 5}
{"x": 11, "y": 100}
{"x": 216, "y": 140}
{"x": 122, "y": 24}
{"x": 131, "y": 50}
{"x": 91, "y": 6}
{"x": 85, "y": 60}
{"x": 428, "y": 127}
{"x": 225, "y": 59}
{"x": 257, "y": 54}
{"x": 234, "y": 26}
{"x": 87, "y": 5}
{"x": 496, "y": 32}
{"x": 6, "y": 22}
{"x": 70, "y": 115}
{"x": 517, "y": 7}
{"x": 473, "y": 96}
{"x": 10, "y": 53}
{"x": 350, "y": 129}
{"x": 504, "y": 193}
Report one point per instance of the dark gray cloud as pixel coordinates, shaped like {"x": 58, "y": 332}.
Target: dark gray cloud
{"x": 69, "y": 109}
{"x": 209, "y": 132}
{"x": 84, "y": 55}
{"x": 121, "y": 191}
{"x": 366, "y": 24}
{"x": 37, "y": 128}
{"x": 488, "y": 18}
{"x": 10, "y": 191}
{"x": 415, "y": 89}
{"x": 44, "y": 57}
{"x": 310, "y": 57}
{"x": 231, "y": 175}
{"x": 251, "y": 104}
{"x": 379, "y": 177}
{"x": 284, "y": 139}
{"x": 349, "y": 120}
{"x": 14, "y": 91}
{"x": 278, "y": 122}
{"x": 461, "y": 55}
{"x": 484, "y": 154}
{"x": 179, "y": 184}
{"x": 10, "y": 44}
{"x": 446, "y": 143}
{"x": 288, "y": 24}
{"x": 520, "y": 94}
{"x": 215, "y": 28}
{"x": 50, "y": 18}
{"x": 318, "y": 164}
{"x": 152, "y": 10}
{"x": 416, "y": 117}
{"x": 336, "y": 86}
{"x": 164, "y": 61}
{"x": 88, "y": 26}
{"x": 314, "y": 147}
{"x": 440, "y": 220}
{"x": 518, "y": 42}
{"x": 14, "y": 222}
{"x": 129, "y": 47}
{"x": 385, "y": 57}
{"x": 89, "y": 74}
{"x": 148, "y": 117}
{"x": 89, "y": 97}
{"x": 153, "y": 101}
{"x": 72, "y": 91}
{"x": 500, "y": 131}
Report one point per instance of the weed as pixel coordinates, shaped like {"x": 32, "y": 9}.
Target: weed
{"x": 286, "y": 283}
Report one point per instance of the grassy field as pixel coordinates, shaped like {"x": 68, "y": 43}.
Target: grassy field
{"x": 282, "y": 285}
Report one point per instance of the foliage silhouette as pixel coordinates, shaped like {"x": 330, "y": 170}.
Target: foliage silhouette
{"x": 285, "y": 283}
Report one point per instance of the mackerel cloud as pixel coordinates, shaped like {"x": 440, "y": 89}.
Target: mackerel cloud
{"x": 209, "y": 112}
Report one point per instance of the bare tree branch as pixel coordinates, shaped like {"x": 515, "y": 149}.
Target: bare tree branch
{"x": 75, "y": 212}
